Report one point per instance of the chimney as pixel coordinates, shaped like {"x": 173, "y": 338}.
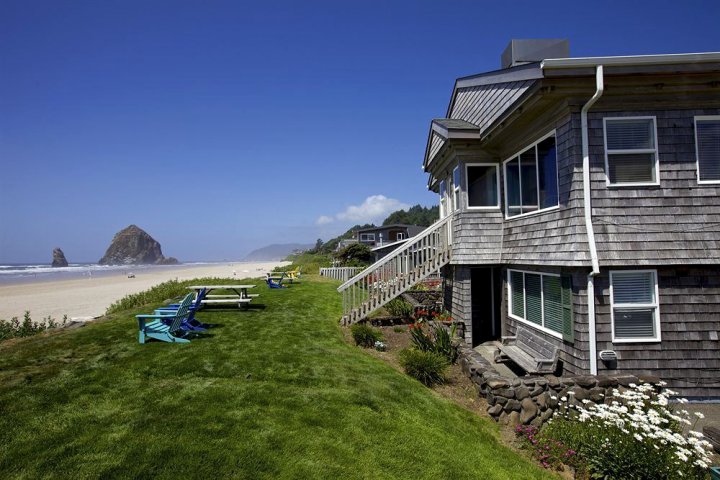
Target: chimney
{"x": 520, "y": 52}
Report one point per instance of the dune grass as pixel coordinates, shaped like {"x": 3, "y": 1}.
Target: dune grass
{"x": 273, "y": 393}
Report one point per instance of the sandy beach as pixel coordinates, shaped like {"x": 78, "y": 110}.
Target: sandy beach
{"x": 86, "y": 298}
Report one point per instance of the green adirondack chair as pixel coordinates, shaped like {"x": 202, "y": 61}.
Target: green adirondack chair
{"x": 157, "y": 329}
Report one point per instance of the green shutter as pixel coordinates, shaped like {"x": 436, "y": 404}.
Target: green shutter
{"x": 568, "y": 326}
{"x": 552, "y": 303}
{"x": 533, "y": 298}
{"x": 516, "y": 292}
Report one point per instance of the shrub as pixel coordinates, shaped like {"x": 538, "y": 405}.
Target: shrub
{"x": 397, "y": 307}
{"x": 398, "y": 329}
{"x": 14, "y": 328}
{"x": 427, "y": 367}
{"x": 364, "y": 335}
{"x": 161, "y": 292}
{"x": 635, "y": 435}
{"x": 440, "y": 341}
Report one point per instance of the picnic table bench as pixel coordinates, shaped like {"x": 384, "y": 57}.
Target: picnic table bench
{"x": 531, "y": 352}
{"x": 241, "y": 297}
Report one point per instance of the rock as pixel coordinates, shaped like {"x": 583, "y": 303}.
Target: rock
{"x": 597, "y": 394}
{"x": 626, "y": 380}
{"x": 578, "y": 393}
{"x": 585, "y": 381}
{"x": 546, "y": 415}
{"x": 542, "y": 401}
{"x": 651, "y": 379}
{"x": 58, "y": 258}
{"x": 495, "y": 410}
{"x": 133, "y": 246}
{"x": 505, "y": 392}
{"x": 522, "y": 393}
{"x": 512, "y": 405}
{"x": 514, "y": 419}
{"x": 501, "y": 400}
{"x": 528, "y": 412}
{"x": 554, "y": 382}
{"x": 491, "y": 399}
{"x": 537, "y": 391}
{"x": 605, "y": 381}
{"x": 497, "y": 382}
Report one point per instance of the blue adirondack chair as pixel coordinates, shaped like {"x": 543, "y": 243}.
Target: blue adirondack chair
{"x": 273, "y": 282}
{"x": 190, "y": 324}
{"x": 153, "y": 326}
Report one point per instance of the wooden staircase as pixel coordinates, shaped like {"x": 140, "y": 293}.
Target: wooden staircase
{"x": 392, "y": 275}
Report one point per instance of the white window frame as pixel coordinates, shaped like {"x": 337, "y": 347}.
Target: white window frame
{"x": 456, "y": 187}
{"x": 656, "y": 305}
{"x": 370, "y": 237}
{"x": 448, "y": 195}
{"x": 442, "y": 190}
{"x": 631, "y": 151}
{"x": 497, "y": 186}
{"x": 401, "y": 236}
{"x": 697, "y": 150}
{"x": 542, "y": 327}
{"x": 537, "y": 177}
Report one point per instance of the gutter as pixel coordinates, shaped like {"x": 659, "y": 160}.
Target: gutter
{"x": 600, "y": 87}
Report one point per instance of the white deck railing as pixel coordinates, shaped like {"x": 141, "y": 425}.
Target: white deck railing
{"x": 340, "y": 273}
{"x": 395, "y": 273}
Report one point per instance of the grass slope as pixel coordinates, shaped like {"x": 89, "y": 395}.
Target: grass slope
{"x": 273, "y": 393}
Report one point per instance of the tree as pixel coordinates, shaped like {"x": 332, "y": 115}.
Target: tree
{"x": 355, "y": 255}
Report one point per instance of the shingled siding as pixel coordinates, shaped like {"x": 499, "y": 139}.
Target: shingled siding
{"x": 435, "y": 144}
{"x": 482, "y": 105}
{"x": 555, "y": 237}
{"x": 477, "y": 237}
{"x": 457, "y": 296}
{"x": 574, "y": 356}
{"x": 677, "y": 222}
{"x": 688, "y": 357}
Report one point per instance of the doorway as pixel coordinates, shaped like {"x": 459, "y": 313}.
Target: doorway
{"x": 484, "y": 303}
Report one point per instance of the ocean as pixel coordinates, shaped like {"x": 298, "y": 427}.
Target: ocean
{"x": 25, "y": 273}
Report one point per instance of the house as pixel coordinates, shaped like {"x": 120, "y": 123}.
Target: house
{"x": 579, "y": 199}
{"x": 379, "y": 236}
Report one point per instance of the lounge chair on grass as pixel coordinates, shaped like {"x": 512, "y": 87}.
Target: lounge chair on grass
{"x": 190, "y": 324}
{"x": 154, "y": 326}
{"x": 275, "y": 282}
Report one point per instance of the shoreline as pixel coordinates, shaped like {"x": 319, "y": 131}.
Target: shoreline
{"x": 89, "y": 297}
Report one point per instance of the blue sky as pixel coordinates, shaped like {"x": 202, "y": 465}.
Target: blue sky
{"x": 219, "y": 127}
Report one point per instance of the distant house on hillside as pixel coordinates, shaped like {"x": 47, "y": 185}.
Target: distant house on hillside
{"x": 579, "y": 200}
{"x": 379, "y": 236}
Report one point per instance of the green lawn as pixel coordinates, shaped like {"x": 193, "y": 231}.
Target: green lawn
{"x": 273, "y": 393}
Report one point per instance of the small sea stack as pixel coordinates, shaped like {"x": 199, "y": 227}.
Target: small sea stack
{"x": 58, "y": 258}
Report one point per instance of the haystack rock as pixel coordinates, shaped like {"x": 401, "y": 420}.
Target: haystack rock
{"x": 58, "y": 258}
{"x": 133, "y": 246}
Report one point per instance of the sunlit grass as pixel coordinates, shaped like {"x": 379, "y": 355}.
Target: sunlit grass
{"x": 272, "y": 393}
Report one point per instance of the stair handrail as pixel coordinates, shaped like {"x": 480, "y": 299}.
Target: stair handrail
{"x": 412, "y": 241}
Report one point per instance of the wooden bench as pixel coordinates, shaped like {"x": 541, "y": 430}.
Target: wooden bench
{"x": 240, "y": 302}
{"x": 249, "y": 295}
{"x": 531, "y": 352}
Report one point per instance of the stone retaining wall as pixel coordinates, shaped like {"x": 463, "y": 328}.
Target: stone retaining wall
{"x": 423, "y": 297}
{"x": 534, "y": 399}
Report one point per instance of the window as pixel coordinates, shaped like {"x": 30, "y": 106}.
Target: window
{"x": 456, "y": 187}
{"x": 367, "y": 237}
{"x": 443, "y": 196}
{"x": 531, "y": 179}
{"x": 482, "y": 185}
{"x": 400, "y": 236}
{"x": 542, "y": 300}
{"x": 631, "y": 151}
{"x": 634, "y": 304}
{"x": 707, "y": 148}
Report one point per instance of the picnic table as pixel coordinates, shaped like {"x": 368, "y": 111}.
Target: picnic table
{"x": 241, "y": 297}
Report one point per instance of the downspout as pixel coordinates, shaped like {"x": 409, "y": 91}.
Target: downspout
{"x": 599, "y": 80}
